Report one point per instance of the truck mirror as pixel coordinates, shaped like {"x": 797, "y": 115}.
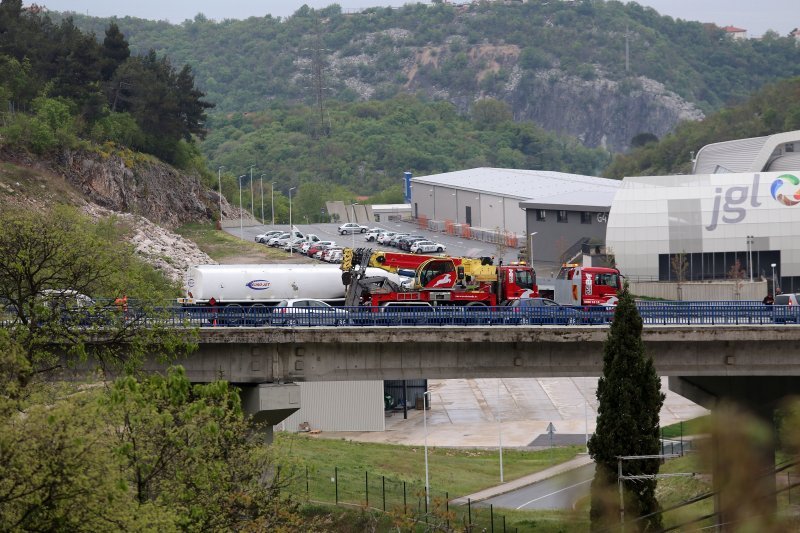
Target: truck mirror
{"x": 460, "y": 272}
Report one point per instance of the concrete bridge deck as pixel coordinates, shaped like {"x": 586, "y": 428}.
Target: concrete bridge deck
{"x": 258, "y": 355}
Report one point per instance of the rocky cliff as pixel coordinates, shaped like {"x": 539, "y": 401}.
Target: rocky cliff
{"x": 140, "y": 185}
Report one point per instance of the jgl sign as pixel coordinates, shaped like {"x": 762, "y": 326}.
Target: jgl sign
{"x": 731, "y": 204}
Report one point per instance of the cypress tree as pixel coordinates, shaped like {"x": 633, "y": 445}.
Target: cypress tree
{"x": 630, "y": 398}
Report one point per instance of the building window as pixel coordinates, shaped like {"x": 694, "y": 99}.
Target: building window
{"x": 540, "y": 215}
{"x": 562, "y": 216}
{"x": 586, "y": 217}
{"x": 789, "y": 147}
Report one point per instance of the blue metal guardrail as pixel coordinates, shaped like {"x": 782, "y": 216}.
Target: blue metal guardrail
{"x": 653, "y": 313}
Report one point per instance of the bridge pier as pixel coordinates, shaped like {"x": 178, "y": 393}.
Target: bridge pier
{"x": 742, "y": 467}
{"x": 269, "y": 403}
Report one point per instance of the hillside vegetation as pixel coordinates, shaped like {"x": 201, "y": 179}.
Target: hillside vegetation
{"x": 364, "y": 148}
{"x": 774, "y": 109}
{"x": 516, "y": 52}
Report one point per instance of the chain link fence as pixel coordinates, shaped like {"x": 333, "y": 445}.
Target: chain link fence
{"x": 404, "y": 499}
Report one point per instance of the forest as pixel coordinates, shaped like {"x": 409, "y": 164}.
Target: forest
{"x": 377, "y": 53}
{"x": 59, "y": 85}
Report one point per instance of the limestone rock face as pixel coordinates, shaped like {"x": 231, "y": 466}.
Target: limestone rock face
{"x": 145, "y": 187}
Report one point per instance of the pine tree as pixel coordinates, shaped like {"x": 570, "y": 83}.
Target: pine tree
{"x": 630, "y": 398}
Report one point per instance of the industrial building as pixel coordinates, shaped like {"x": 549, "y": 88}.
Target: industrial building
{"x": 562, "y": 209}
{"x": 740, "y": 204}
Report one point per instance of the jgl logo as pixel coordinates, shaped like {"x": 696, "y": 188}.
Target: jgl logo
{"x": 732, "y": 202}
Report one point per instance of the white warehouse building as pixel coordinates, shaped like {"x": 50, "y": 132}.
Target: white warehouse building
{"x": 742, "y": 203}
{"x": 489, "y": 198}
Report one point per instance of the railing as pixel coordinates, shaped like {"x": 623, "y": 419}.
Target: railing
{"x": 259, "y": 315}
{"x": 667, "y": 313}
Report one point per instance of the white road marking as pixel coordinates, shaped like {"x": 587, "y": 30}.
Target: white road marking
{"x": 552, "y": 493}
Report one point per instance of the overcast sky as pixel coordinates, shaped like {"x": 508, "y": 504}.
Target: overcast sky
{"x": 754, "y": 16}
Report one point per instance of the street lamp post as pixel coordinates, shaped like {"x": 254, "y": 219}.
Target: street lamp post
{"x": 530, "y": 247}
{"x": 353, "y": 233}
{"x": 251, "y": 191}
{"x": 774, "y": 286}
{"x": 262, "y": 199}
{"x": 750, "y": 242}
{"x": 241, "y": 212}
{"x": 500, "y": 429}
{"x": 291, "y": 228}
{"x": 219, "y": 177}
{"x": 272, "y": 209}
{"x": 425, "y": 425}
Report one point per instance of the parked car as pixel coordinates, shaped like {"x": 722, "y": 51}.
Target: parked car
{"x": 293, "y": 244}
{"x": 385, "y": 237}
{"x": 397, "y": 236}
{"x": 786, "y": 308}
{"x": 327, "y": 255}
{"x": 335, "y": 256}
{"x": 372, "y": 234}
{"x": 264, "y": 237}
{"x": 351, "y": 227}
{"x": 272, "y": 241}
{"x": 308, "y": 312}
{"x": 424, "y": 247}
{"x": 321, "y": 251}
{"x": 317, "y": 246}
{"x": 406, "y": 242}
{"x": 541, "y": 311}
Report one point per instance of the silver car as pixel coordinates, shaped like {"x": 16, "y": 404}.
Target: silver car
{"x": 308, "y": 312}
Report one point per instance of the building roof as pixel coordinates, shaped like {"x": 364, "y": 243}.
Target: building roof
{"x": 733, "y": 29}
{"x": 538, "y": 186}
{"x": 756, "y": 154}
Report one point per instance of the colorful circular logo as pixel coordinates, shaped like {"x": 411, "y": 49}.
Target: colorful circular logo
{"x": 785, "y": 189}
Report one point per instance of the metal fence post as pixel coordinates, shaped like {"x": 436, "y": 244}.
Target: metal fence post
{"x": 491, "y": 516}
{"x": 336, "y": 482}
{"x": 383, "y": 486}
{"x": 504, "y": 523}
{"x": 366, "y": 485}
{"x": 426, "y": 496}
{"x": 405, "y": 503}
{"x": 307, "y": 493}
{"x": 447, "y": 508}
{"x": 469, "y": 512}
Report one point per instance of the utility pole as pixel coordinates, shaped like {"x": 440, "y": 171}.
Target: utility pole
{"x": 252, "y": 212}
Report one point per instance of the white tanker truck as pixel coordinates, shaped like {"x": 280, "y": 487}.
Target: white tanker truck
{"x": 265, "y": 284}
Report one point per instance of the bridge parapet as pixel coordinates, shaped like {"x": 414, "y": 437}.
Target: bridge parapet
{"x": 258, "y": 355}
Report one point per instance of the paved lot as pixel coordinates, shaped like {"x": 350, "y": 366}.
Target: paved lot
{"x": 456, "y": 246}
{"x": 479, "y": 412}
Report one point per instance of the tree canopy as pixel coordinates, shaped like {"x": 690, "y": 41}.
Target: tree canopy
{"x": 102, "y": 92}
{"x": 630, "y": 399}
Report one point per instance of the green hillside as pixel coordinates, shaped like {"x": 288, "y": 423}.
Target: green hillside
{"x": 457, "y": 50}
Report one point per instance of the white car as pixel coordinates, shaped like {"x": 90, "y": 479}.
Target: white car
{"x": 273, "y": 241}
{"x": 307, "y": 312}
{"x": 385, "y": 237}
{"x": 352, "y": 227}
{"x": 424, "y": 247}
{"x": 264, "y": 237}
{"x": 372, "y": 234}
{"x": 326, "y": 255}
{"x": 336, "y": 255}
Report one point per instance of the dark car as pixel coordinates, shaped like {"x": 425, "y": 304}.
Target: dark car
{"x": 540, "y": 311}
{"x": 405, "y": 242}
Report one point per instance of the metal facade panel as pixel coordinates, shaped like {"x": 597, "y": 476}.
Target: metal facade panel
{"x": 339, "y": 406}
{"x": 492, "y": 212}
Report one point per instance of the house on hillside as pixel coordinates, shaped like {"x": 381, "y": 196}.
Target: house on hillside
{"x": 735, "y": 33}
{"x": 796, "y": 34}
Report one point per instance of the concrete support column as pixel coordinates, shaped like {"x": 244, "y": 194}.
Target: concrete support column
{"x": 270, "y": 403}
{"x": 743, "y": 457}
